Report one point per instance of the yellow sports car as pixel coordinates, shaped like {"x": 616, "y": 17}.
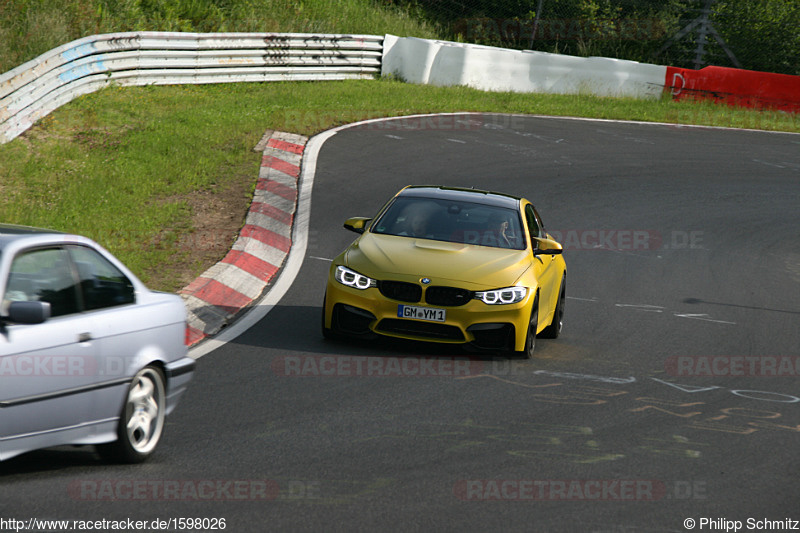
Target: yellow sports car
{"x": 449, "y": 265}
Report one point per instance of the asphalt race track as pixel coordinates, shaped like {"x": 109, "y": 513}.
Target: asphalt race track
{"x": 672, "y": 394}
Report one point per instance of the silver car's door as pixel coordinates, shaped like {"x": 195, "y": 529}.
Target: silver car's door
{"x": 48, "y": 370}
{"x": 121, "y": 329}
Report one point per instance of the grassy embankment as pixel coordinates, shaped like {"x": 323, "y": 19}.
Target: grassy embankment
{"x": 137, "y": 168}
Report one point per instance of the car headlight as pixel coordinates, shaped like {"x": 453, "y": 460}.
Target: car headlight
{"x": 508, "y": 295}
{"x": 351, "y": 278}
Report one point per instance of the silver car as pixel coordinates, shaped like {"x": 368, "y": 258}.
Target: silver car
{"x": 88, "y": 354}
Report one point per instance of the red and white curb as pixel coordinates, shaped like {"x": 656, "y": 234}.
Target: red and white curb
{"x": 230, "y": 286}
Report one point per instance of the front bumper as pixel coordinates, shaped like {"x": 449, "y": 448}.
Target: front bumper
{"x": 367, "y": 312}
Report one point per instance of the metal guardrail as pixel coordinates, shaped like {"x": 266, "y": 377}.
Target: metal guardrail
{"x": 34, "y": 89}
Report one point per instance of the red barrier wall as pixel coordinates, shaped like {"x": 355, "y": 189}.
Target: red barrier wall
{"x": 746, "y": 88}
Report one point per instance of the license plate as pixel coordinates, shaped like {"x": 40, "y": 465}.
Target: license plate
{"x": 431, "y": 314}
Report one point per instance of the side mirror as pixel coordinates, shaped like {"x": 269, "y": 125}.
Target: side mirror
{"x": 28, "y": 312}
{"x": 546, "y": 247}
{"x": 356, "y": 224}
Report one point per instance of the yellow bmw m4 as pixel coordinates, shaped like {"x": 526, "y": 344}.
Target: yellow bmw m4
{"x": 449, "y": 265}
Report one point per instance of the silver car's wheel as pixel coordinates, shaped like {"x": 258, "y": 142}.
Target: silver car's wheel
{"x": 142, "y": 419}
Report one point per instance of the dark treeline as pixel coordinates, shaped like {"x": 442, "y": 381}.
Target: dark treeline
{"x": 759, "y": 34}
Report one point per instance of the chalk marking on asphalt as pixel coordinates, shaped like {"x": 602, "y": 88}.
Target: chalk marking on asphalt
{"x": 643, "y": 307}
{"x": 702, "y": 316}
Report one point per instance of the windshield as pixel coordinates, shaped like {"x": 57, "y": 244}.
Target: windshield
{"x": 452, "y": 221}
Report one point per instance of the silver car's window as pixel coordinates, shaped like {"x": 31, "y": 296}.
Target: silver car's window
{"x": 43, "y": 275}
{"x": 452, "y": 221}
{"x": 102, "y": 284}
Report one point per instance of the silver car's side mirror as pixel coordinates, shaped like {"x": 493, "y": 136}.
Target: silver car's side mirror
{"x": 28, "y": 312}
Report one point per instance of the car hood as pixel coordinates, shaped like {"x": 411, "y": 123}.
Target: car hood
{"x": 472, "y": 266}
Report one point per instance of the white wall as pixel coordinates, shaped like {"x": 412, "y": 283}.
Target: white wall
{"x": 498, "y": 69}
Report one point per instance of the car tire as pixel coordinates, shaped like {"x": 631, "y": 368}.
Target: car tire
{"x": 141, "y": 422}
{"x": 530, "y": 337}
{"x": 554, "y": 329}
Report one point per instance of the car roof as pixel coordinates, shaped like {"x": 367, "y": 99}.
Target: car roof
{"x": 13, "y": 232}
{"x": 461, "y": 194}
